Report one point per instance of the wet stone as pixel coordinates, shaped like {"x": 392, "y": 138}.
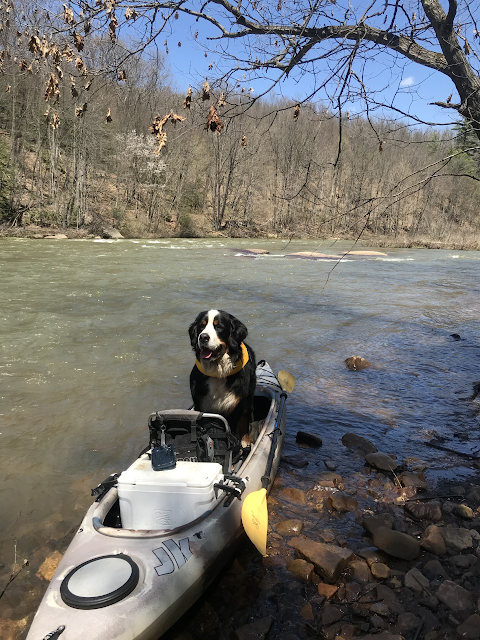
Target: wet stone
{"x": 371, "y": 555}
{"x": 462, "y": 562}
{"x": 430, "y": 602}
{"x": 289, "y": 527}
{"x": 395, "y": 543}
{"x": 457, "y": 538}
{"x": 380, "y": 609}
{"x": 387, "y": 595}
{"x": 416, "y": 480}
{"x": 328, "y": 559}
{"x": 371, "y": 523}
{"x": 431, "y": 511}
{"x": 332, "y": 613}
{"x": 407, "y": 622}
{"x": 341, "y": 502}
{"x": 331, "y": 466}
{"x": 415, "y": 580}
{"x": 436, "y": 569}
{"x": 463, "y": 511}
{"x": 470, "y": 629}
{"x": 352, "y": 591}
{"x": 327, "y": 590}
{"x": 358, "y": 443}
{"x": 298, "y": 462}
{"x": 308, "y": 439}
{"x": 360, "y": 571}
{"x": 381, "y": 461}
{"x": 432, "y": 540}
{"x": 307, "y": 612}
{"x": 380, "y": 571}
{"x": 454, "y": 596}
{"x": 383, "y": 635}
{"x": 295, "y": 496}
{"x": 357, "y": 363}
{"x": 256, "y": 630}
{"x": 301, "y": 569}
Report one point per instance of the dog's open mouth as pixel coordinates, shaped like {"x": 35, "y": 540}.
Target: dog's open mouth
{"x": 208, "y": 354}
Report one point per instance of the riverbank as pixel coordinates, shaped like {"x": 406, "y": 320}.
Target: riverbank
{"x": 452, "y": 242}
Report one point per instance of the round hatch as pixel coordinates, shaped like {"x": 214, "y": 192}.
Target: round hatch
{"x": 100, "y": 582}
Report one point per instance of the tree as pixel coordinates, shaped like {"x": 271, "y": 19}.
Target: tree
{"x": 332, "y": 40}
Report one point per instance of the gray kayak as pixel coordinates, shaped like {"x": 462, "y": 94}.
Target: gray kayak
{"x": 154, "y": 540}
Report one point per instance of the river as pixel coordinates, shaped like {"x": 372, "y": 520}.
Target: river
{"x": 94, "y": 339}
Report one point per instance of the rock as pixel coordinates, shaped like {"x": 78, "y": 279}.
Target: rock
{"x": 380, "y": 571}
{"x": 387, "y": 595}
{"x": 341, "y": 502}
{"x": 371, "y": 555}
{"x": 424, "y": 510}
{"x": 432, "y": 540}
{"x": 258, "y": 252}
{"x": 257, "y": 630}
{"x": 49, "y": 566}
{"x": 360, "y": 571}
{"x": 407, "y": 622}
{"x": 409, "y": 479}
{"x": 328, "y": 559}
{"x": 332, "y": 613}
{"x": 371, "y": 523}
{"x": 56, "y": 236}
{"x": 395, "y": 543}
{"x": 457, "y": 538}
{"x": 357, "y": 363}
{"x": 455, "y": 336}
{"x": 454, "y": 596}
{"x": 289, "y": 527}
{"x": 381, "y": 461}
{"x": 307, "y": 612}
{"x": 383, "y": 635}
{"x": 111, "y": 233}
{"x": 461, "y": 561}
{"x": 327, "y": 590}
{"x": 358, "y": 443}
{"x": 346, "y": 632}
{"x": 330, "y": 479}
{"x": 12, "y": 629}
{"x": 470, "y": 629}
{"x": 331, "y": 466}
{"x": 463, "y": 511}
{"x": 415, "y": 580}
{"x": 295, "y": 496}
{"x": 308, "y": 439}
{"x": 301, "y": 569}
{"x": 380, "y": 609}
{"x": 313, "y": 255}
{"x": 352, "y": 591}
{"x": 474, "y": 494}
{"x": 436, "y": 569}
{"x": 431, "y": 602}
{"x": 298, "y": 462}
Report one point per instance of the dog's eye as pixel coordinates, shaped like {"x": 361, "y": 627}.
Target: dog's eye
{"x": 215, "y": 323}
{"x": 204, "y": 323}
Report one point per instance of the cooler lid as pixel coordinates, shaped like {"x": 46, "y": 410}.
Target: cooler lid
{"x": 185, "y": 474}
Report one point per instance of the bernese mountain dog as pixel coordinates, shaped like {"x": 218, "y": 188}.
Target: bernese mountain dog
{"x": 223, "y": 378}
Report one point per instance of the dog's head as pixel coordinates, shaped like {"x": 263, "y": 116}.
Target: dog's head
{"x": 214, "y": 333}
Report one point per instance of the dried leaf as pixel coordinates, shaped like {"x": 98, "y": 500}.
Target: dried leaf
{"x": 88, "y": 85}
{"x": 296, "y": 112}
{"x": 157, "y": 128}
{"x": 188, "y": 98}
{"x": 112, "y": 27}
{"x": 8, "y": 89}
{"x": 130, "y": 13}
{"x": 55, "y": 123}
{"x": 68, "y": 53}
{"x": 380, "y": 145}
{"x": 205, "y": 91}
{"x": 244, "y": 141}
{"x": 108, "y": 117}
{"x": 68, "y": 14}
{"x": 122, "y": 74}
{"x": 51, "y": 89}
{"x": 449, "y": 99}
{"x": 78, "y": 41}
{"x": 467, "y": 49}
{"x": 221, "y": 101}
{"x": 213, "y": 121}
{"x": 79, "y": 63}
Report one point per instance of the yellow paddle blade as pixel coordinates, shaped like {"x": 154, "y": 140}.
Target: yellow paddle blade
{"x": 286, "y": 380}
{"x": 255, "y": 519}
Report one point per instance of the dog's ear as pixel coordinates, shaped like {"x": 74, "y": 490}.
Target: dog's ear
{"x": 193, "y": 330}
{"x": 238, "y": 332}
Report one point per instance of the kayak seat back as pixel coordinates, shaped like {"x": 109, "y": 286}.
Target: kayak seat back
{"x": 194, "y": 436}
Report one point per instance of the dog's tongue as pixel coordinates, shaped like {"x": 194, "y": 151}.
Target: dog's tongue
{"x": 206, "y": 354}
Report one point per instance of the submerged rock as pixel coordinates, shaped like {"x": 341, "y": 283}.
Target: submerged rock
{"x": 341, "y": 502}
{"x": 328, "y": 559}
{"x": 301, "y": 569}
{"x": 381, "y": 461}
{"x": 357, "y": 363}
{"x": 358, "y": 443}
{"x": 290, "y": 527}
{"x": 308, "y": 439}
{"x": 417, "y": 480}
{"x": 295, "y": 496}
{"x": 256, "y": 630}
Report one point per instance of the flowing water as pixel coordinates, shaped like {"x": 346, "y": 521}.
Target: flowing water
{"x": 94, "y": 338}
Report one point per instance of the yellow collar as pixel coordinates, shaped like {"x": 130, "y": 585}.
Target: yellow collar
{"x": 238, "y": 367}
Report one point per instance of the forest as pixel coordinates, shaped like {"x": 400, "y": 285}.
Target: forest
{"x": 83, "y": 151}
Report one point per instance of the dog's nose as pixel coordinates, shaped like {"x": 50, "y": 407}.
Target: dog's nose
{"x": 204, "y": 337}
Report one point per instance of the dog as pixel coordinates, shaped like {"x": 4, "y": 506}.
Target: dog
{"x": 223, "y": 378}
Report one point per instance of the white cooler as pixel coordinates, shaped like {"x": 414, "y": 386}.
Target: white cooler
{"x": 156, "y": 500}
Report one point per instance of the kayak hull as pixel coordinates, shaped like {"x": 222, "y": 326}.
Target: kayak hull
{"x": 174, "y": 567}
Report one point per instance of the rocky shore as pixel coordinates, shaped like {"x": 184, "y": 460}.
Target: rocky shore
{"x": 406, "y": 567}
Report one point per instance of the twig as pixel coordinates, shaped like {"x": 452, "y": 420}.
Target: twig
{"x": 419, "y": 628}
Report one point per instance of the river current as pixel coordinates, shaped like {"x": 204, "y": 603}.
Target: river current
{"x": 94, "y": 339}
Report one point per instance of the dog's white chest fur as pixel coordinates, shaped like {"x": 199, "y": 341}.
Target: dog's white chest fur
{"x": 219, "y": 398}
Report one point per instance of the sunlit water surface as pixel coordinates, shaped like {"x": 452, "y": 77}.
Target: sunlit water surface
{"x": 94, "y": 338}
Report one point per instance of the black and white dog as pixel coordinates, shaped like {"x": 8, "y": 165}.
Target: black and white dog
{"x": 223, "y": 378}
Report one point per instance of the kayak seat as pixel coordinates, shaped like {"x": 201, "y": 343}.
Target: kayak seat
{"x": 194, "y": 436}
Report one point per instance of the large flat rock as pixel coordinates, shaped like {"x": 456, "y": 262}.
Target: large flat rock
{"x": 328, "y": 559}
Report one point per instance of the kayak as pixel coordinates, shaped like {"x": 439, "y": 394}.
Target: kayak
{"x": 159, "y": 533}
